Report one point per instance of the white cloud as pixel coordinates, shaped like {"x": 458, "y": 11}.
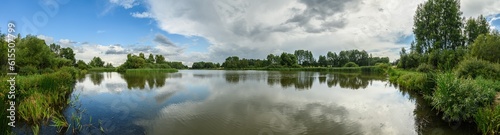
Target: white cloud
{"x": 253, "y": 29}
{"x": 473, "y": 8}
{"x": 124, "y": 3}
{"x": 141, "y": 15}
{"x": 48, "y": 40}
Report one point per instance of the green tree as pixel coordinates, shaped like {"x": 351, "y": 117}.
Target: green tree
{"x": 109, "y": 65}
{"x": 231, "y": 62}
{"x": 81, "y": 65}
{"x": 487, "y": 47}
{"x": 288, "y": 59}
{"x": 474, "y": 28}
{"x": 55, "y": 48}
{"x": 68, "y": 54}
{"x": 32, "y": 51}
{"x": 151, "y": 59}
{"x": 304, "y": 57}
{"x": 438, "y": 25}
{"x": 273, "y": 59}
{"x": 322, "y": 61}
{"x": 160, "y": 59}
{"x": 96, "y": 62}
{"x": 332, "y": 59}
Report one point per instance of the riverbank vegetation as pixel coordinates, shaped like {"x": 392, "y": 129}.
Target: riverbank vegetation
{"x": 46, "y": 77}
{"x": 148, "y": 64}
{"x": 453, "y": 63}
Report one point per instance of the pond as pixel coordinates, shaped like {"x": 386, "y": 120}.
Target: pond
{"x": 216, "y": 102}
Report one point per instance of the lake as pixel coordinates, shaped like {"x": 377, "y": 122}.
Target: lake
{"x": 217, "y": 102}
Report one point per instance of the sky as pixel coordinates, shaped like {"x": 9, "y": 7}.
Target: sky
{"x": 212, "y": 30}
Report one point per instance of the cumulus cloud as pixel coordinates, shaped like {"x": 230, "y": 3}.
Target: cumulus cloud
{"x": 253, "y": 29}
{"x": 473, "y": 8}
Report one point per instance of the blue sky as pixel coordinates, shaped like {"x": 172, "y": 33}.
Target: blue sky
{"x": 210, "y": 30}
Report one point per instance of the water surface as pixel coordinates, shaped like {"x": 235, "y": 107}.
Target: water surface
{"x": 195, "y": 102}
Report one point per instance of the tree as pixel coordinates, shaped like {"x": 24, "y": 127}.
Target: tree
{"x": 304, "y": 57}
{"x": 160, "y": 59}
{"x": 474, "y": 28}
{"x": 288, "y": 59}
{"x": 68, "y": 54}
{"x": 332, "y": 59}
{"x": 81, "y": 65}
{"x": 55, "y": 48}
{"x": 231, "y": 62}
{"x": 96, "y": 62}
{"x": 151, "y": 59}
{"x": 109, "y": 65}
{"x": 438, "y": 33}
{"x": 32, "y": 51}
{"x": 438, "y": 25}
{"x": 273, "y": 59}
{"x": 322, "y": 61}
{"x": 487, "y": 47}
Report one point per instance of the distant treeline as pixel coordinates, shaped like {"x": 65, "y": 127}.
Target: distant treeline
{"x": 153, "y": 61}
{"x": 300, "y": 58}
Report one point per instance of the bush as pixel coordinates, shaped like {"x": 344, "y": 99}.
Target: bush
{"x": 351, "y": 64}
{"x": 475, "y": 68}
{"x": 383, "y": 65}
{"x": 488, "y": 120}
{"x": 460, "y": 99}
{"x": 296, "y": 66}
{"x": 424, "y": 67}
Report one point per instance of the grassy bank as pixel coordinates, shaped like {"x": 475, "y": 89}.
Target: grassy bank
{"x": 40, "y": 97}
{"x": 455, "y": 96}
{"x": 149, "y": 70}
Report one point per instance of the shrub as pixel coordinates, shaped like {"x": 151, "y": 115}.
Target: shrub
{"x": 475, "y": 68}
{"x": 351, "y": 64}
{"x": 459, "y": 99}
{"x": 424, "y": 67}
{"x": 296, "y": 66}
{"x": 383, "y": 65}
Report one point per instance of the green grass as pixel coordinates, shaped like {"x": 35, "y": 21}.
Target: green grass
{"x": 460, "y": 99}
{"x": 488, "y": 120}
{"x": 149, "y": 70}
{"x": 102, "y": 70}
{"x": 41, "y": 97}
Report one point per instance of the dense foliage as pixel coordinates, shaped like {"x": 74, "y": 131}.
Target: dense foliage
{"x": 475, "y": 67}
{"x": 442, "y": 37}
{"x": 156, "y": 62}
{"x": 460, "y": 99}
{"x": 304, "y": 58}
{"x": 487, "y": 47}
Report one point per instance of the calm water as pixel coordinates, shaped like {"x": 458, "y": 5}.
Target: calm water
{"x": 200, "y": 102}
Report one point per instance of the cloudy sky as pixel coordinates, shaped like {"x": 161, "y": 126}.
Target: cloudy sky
{"x": 211, "y": 30}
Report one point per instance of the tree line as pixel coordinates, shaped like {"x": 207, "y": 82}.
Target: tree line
{"x": 443, "y": 37}
{"x": 34, "y": 56}
{"x": 300, "y": 58}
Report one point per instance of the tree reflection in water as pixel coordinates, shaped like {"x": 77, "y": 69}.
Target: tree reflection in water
{"x": 96, "y": 77}
{"x": 154, "y": 80}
